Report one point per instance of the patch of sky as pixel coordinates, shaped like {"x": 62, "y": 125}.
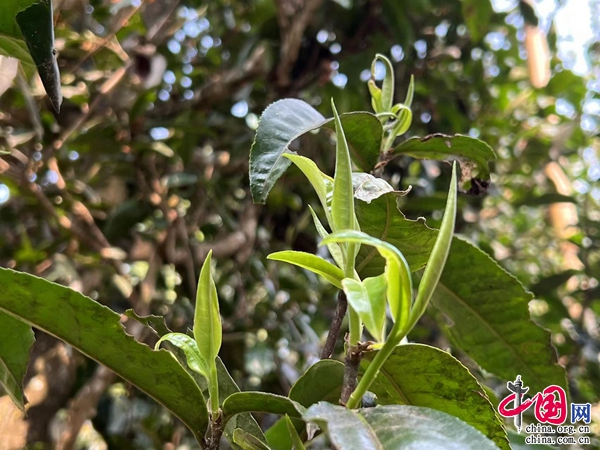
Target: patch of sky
{"x": 339, "y": 80}
{"x": 240, "y": 109}
{"x": 159, "y": 133}
{"x": 397, "y": 53}
{"x": 4, "y": 193}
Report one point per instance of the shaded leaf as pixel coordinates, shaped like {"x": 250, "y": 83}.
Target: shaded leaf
{"x": 37, "y": 27}
{"x": 421, "y": 375}
{"x": 16, "y": 339}
{"x": 486, "y": 307}
{"x": 517, "y": 442}
{"x": 264, "y": 402}
{"x": 155, "y": 323}
{"x": 286, "y": 120}
{"x": 100, "y": 336}
{"x": 344, "y": 427}
{"x": 247, "y": 441}
{"x": 321, "y": 381}
{"x": 551, "y": 283}
{"x": 396, "y": 428}
{"x": 297, "y": 442}
{"x": 488, "y": 318}
{"x": 278, "y": 436}
{"x": 472, "y": 153}
{"x": 413, "y": 427}
{"x": 311, "y": 262}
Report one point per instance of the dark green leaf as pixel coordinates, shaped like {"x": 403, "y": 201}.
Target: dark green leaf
{"x": 416, "y": 428}
{"x": 37, "y": 27}
{"x": 396, "y": 428}
{"x": 96, "y": 331}
{"x": 16, "y": 339}
{"x": 421, "y": 375}
{"x": 487, "y": 308}
{"x": 488, "y": 317}
{"x": 155, "y": 323}
{"x": 285, "y": 121}
{"x": 517, "y": 442}
{"x": 472, "y": 153}
{"x": 281, "y": 123}
{"x": 345, "y": 427}
{"x": 11, "y": 38}
{"x": 549, "y": 285}
{"x": 381, "y": 219}
{"x": 321, "y": 381}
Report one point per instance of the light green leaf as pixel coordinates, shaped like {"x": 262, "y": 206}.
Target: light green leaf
{"x": 438, "y": 256}
{"x": 263, "y": 402}
{"x": 367, "y": 297}
{"x": 187, "y": 344}
{"x": 387, "y": 88}
{"x": 397, "y": 274}
{"x": 278, "y": 436}
{"x": 396, "y": 428}
{"x": 321, "y": 381}
{"x": 334, "y": 249}
{"x": 321, "y": 183}
{"x": 96, "y": 331}
{"x": 311, "y": 262}
{"x": 421, "y": 375}
{"x": 247, "y": 441}
{"x": 342, "y": 204}
{"x": 207, "y": 320}
{"x": 472, "y": 153}
{"x": 297, "y": 442}
{"x": 16, "y": 339}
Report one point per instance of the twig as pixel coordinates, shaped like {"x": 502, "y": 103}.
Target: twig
{"x": 353, "y": 358}
{"x": 293, "y": 22}
{"x": 336, "y": 323}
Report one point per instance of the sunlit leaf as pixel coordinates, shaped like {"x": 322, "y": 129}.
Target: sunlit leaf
{"x": 367, "y": 297}
{"x": 311, "y": 262}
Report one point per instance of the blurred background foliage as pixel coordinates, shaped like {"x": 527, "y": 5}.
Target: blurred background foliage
{"x": 122, "y": 194}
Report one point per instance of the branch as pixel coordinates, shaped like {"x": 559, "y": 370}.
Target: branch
{"x": 293, "y": 22}
{"x": 336, "y": 323}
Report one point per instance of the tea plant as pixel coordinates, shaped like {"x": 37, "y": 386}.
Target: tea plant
{"x": 389, "y": 271}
